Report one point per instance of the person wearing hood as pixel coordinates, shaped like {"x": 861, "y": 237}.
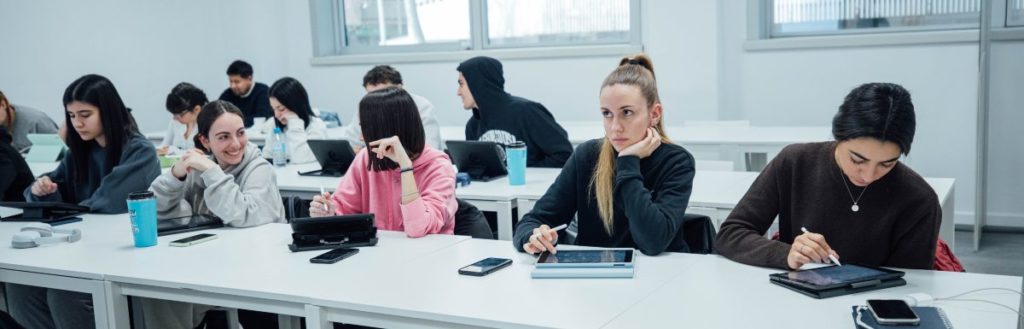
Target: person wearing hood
{"x": 407, "y": 185}
{"x": 502, "y": 118}
{"x": 237, "y": 185}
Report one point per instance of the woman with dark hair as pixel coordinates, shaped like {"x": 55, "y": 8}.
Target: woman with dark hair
{"x": 853, "y": 194}
{"x": 184, "y": 103}
{"x": 401, "y": 168}
{"x": 107, "y": 159}
{"x": 628, "y": 189}
{"x": 23, "y": 120}
{"x": 295, "y": 117}
{"x": 236, "y": 185}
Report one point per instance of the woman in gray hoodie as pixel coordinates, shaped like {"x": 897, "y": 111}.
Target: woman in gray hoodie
{"x": 236, "y": 185}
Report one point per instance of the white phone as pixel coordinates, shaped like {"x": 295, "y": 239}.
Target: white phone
{"x": 893, "y": 311}
{"x": 192, "y": 240}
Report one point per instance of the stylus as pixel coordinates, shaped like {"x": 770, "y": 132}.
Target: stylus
{"x": 325, "y": 201}
{"x": 830, "y": 256}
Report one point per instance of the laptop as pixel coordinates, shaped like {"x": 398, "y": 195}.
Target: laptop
{"x": 483, "y": 161}
{"x": 192, "y": 223}
{"x": 53, "y": 213}
{"x": 334, "y": 156}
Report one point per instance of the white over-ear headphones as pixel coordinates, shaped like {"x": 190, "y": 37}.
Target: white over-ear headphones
{"x": 36, "y": 235}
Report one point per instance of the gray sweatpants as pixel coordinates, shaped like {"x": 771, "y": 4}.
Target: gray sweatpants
{"x": 44, "y": 308}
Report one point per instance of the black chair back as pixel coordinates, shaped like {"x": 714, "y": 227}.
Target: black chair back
{"x": 295, "y": 207}
{"x": 696, "y": 235}
{"x": 471, "y": 221}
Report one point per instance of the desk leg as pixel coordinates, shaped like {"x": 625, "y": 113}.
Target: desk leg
{"x": 288, "y": 322}
{"x": 316, "y": 318}
{"x": 115, "y": 310}
{"x": 524, "y": 206}
{"x": 505, "y": 220}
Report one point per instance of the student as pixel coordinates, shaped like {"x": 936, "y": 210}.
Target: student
{"x": 385, "y": 76}
{"x": 295, "y": 117}
{"x": 502, "y": 118}
{"x": 184, "y": 103}
{"x": 236, "y": 185}
{"x": 853, "y": 194}
{"x": 628, "y": 189}
{"x": 15, "y": 175}
{"x": 107, "y": 159}
{"x": 248, "y": 96}
{"x": 408, "y": 185}
{"x": 23, "y": 120}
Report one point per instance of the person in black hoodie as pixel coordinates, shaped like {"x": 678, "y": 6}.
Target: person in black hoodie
{"x": 502, "y": 118}
{"x": 253, "y": 98}
{"x": 628, "y": 189}
{"x": 15, "y": 174}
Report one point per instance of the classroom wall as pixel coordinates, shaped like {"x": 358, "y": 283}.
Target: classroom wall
{"x": 806, "y": 86}
{"x": 144, "y": 47}
{"x": 568, "y": 87}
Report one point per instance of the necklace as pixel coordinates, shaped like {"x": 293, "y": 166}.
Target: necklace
{"x": 854, "y": 207}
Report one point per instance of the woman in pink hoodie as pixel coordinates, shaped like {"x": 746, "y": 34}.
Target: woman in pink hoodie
{"x": 406, "y": 184}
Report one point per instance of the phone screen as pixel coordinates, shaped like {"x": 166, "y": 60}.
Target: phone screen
{"x": 193, "y": 238}
{"x": 485, "y": 266}
{"x": 891, "y": 309}
{"x": 336, "y": 254}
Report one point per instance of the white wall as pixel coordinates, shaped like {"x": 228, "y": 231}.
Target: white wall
{"x": 568, "y": 87}
{"x": 1006, "y": 143}
{"x": 144, "y": 47}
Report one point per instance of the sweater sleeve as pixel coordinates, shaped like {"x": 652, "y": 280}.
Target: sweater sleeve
{"x": 297, "y": 136}
{"x": 256, "y": 202}
{"x": 351, "y": 131}
{"x": 431, "y": 129}
{"x": 655, "y": 216}
{"x": 547, "y": 136}
{"x": 170, "y": 196}
{"x": 139, "y": 166}
{"x": 59, "y": 176}
{"x": 741, "y": 237}
{"x": 556, "y": 207}
{"x": 433, "y": 210}
{"x": 913, "y": 245}
{"x": 348, "y": 197}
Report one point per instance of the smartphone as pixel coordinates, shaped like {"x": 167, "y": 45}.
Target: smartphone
{"x": 485, "y": 266}
{"x": 893, "y": 311}
{"x": 334, "y": 256}
{"x": 195, "y": 239}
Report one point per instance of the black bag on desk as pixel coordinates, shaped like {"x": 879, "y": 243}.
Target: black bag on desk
{"x": 316, "y": 233}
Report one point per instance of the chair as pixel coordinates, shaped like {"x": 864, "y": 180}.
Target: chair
{"x": 471, "y": 221}
{"x": 295, "y": 207}
{"x": 331, "y": 119}
{"x": 696, "y": 235}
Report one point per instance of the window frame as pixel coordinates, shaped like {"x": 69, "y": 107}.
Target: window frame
{"x": 329, "y": 44}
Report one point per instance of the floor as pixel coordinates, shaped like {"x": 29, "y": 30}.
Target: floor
{"x": 1001, "y": 253}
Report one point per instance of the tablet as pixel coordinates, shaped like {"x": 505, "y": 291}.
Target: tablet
{"x": 483, "y": 161}
{"x": 830, "y": 281}
{"x": 53, "y": 213}
{"x": 168, "y": 226}
{"x": 587, "y": 258}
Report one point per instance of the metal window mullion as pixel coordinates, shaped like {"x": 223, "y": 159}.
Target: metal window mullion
{"x": 477, "y": 24}
{"x": 635, "y": 35}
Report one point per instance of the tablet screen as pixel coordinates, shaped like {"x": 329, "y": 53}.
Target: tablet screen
{"x": 587, "y": 256}
{"x": 831, "y": 275}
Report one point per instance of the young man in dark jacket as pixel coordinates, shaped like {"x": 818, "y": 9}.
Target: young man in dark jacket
{"x": 502, "y": 118}
{"x": 253, "y": 98}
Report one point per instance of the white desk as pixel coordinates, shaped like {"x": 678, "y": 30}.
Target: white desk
{"x": 724, "y": 294}
{"x": 253, "y": 134}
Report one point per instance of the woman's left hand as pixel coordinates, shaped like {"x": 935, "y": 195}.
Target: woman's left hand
{"x": 391, "y": 148}
{"x": 285, "y": 116}
{"x": 644, "y": 147}
{"x": 195, "y": 159}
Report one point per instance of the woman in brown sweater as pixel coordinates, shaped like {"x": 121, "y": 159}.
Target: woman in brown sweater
{"x": 859, "y": 201}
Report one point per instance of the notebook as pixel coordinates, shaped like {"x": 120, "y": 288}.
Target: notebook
{"x": 931, "y": 318}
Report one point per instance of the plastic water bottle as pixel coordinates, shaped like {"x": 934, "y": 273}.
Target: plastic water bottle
{"x": 278, "y": 148}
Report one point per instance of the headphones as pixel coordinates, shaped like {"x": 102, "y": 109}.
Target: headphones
{"x": 36, "y": 235}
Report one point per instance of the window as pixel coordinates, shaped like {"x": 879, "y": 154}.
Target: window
{"x": 1015, "y": 13}
{"x": 555, "y": 22}
{"x": 344, "y": 27}
{"x": 821, "y": 17}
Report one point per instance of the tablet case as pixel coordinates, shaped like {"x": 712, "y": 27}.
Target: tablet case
{"x": 317, "y": 233}
{"x": 852, "y": 288}
{"x": 53, "y": 213}
{"x": 931, "y": 318}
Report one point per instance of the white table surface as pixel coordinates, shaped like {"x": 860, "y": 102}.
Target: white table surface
{"x": 724, "y": 294}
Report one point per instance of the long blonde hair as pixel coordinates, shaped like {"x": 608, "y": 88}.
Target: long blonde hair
{"x": 636, "y": 70}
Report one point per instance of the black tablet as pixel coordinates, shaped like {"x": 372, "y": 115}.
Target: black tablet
{"x": 177, "y": 225}
{"x": 53, "y": 213}
{"x": 334, "y": 156}
{"x": 587, "y": 258}
{"x": 483, "y": 161}
{"x": 838, "y": 280}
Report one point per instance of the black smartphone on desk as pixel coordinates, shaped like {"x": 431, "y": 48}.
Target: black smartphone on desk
{"x": 334, "y": 255}
{"x": 485, "y": 266}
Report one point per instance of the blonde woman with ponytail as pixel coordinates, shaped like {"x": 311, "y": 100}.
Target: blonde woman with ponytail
{"x": 628, "y": 189}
